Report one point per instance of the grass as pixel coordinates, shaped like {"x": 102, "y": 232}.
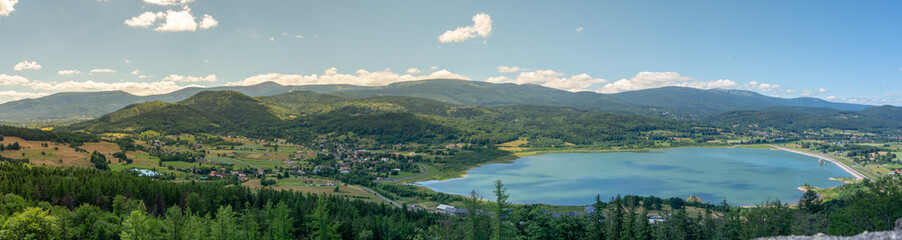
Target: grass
{"x": 263, "y": 163}
{"x": 296, "y": 184}
{"x": 433, "y": 172}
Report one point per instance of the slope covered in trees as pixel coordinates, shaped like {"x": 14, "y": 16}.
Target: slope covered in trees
{"x": 799, "y": 119}
{"x": 79, "y": 203}
{"x": 672, "y": 102}
{"x": 392, "y": 119}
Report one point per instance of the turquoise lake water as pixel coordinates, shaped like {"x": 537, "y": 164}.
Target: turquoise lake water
{"x": 741, "y": 176}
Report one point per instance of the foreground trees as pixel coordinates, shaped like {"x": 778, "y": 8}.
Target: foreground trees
{"x": 76, "y": 203}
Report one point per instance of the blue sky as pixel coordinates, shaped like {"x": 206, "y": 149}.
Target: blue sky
{"x": 837, "y": 50}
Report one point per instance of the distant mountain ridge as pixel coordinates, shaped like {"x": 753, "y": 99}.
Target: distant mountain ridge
{"x": 673, "y": 102}
{"x": 702, "y": 103}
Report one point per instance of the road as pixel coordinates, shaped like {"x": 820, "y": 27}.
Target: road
{"x": 423, "y": 171}
{"x": 848, "y": 169}
{"x": 380, "y": 196}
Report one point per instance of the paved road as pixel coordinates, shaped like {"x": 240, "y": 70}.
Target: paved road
{"x": 380, "y": 196}
{"x": 852, "y": 171}
{"x": 423, "y": 171}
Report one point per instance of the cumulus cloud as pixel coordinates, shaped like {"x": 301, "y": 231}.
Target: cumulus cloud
{"x": 23, "y": 65}
{"x": 506, "y": 69}
{"x": 172, "y": 21}
{"x": 298, "y": 36}
{"x": 482, "y": 27}
{"x": 579, "y": 29}
{"x": 6, "y": 80}
{"x": 813, "y": 92}
{"x": 720, "y": 83}
{"x": 14, "y": 95}
{"x": 146, "y": 19}
{"x": 208, "y": 22}
{"x": 137, "y": 88}
{"x": 102, "y": 70}
{"x": 180, "y": 78}
{"x": 361, "y": 77}
{"x": 552, "y": 79}
{"x": 168, "y": 2}
{"x": 413, "y": 71}
{"x": 178, "y": 21}
{"x": 7, "y": 6}
{"x": 68, "y": 72}
{"x": 646, "y": 80}
{"x": 762, "y": 87}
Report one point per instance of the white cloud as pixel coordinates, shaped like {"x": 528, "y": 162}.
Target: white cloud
{"x": 579, "y": 29}
{"x": 813, "y": 92}
{"x": 298, "y": 36}
{"x": 482, "y": 27}
{"x": 552, "y": 79}
{"x": 7, "y": 6}
{"x": 506, "y": 69}
{"x": 127, "y": 61}
{"x": 102, "y": 70}
{"x": 137, "y": 88}
{"x": 146, "y": 19}
{"x": 12, "y": 80}
{"x": 172, "y": 20}
{"x": 720, "y": 83}
{"x": 208, "y": 22}
{"x": 180, "y": 78}
{"x": 413, "y": 71}
{"x": 14, "y": 95}
{"x": 135, "y": 72}
{"x": 361, "y": 77}
{"x": 23, "y": 65}
{"x": 178, "y": 21}
{"x": 68, "y": 72}
{"x": 168, "y": 2}
{"x": 763, "y": 87}
{"x": 272, "y": 39}
{"x": 646, "y": 80}
{"x": 433, "y": 68}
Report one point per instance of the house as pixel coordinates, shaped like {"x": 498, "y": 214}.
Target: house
{"x": 589, "y": 209}
{"x": 242, "y": 177}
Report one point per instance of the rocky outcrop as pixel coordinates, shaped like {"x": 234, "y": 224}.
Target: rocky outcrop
{"x": 863, "y": 236}
{"x": 895, "y": 234}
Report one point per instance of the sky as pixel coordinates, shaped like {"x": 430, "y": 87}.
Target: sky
{"x": 842, "y": 51}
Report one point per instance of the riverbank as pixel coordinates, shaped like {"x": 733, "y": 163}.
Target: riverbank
{"x": 845, "y": 167}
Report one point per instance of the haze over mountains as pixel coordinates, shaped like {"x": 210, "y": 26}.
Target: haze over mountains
{"x": 672, "y": 102}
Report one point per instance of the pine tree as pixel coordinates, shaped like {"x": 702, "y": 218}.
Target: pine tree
{"x": 501, "y": 203}
{"x": 326, "y": 228}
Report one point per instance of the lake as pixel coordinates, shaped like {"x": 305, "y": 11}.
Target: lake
{"x": 741, "y": 176}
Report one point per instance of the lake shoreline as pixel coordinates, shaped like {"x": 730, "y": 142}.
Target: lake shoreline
{"x": 524, "y": 154}
{"x": 853, "y": 172}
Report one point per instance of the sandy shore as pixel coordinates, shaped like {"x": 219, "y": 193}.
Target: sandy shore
{"x": 848, "y": 169}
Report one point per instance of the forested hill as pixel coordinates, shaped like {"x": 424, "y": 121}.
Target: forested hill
{"x": 87, "y": 105}
{"x": 392, "y": 119}
{"x": 476, "y": 93}
{"x": 701, "y": 103}
{"x": 205, "y": 111}
{"x": 671, "y": 102}
{"x": 800, "y": 119}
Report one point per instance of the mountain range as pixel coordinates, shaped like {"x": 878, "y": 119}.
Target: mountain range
{"x": 672, "y": 102}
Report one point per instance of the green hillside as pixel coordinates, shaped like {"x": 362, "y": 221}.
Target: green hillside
{"x": 392, "y": 119}
{"x": 696, "y": 103}
{"x": 800, "y": 119}
{"x": 205, "y": 111}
